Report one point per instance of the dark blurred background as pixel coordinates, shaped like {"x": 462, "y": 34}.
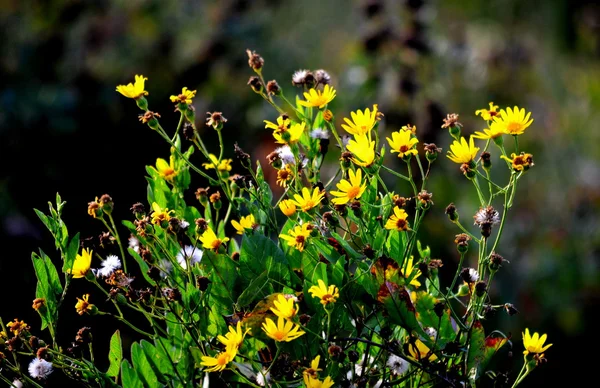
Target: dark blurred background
{"x": 63, "y": 128}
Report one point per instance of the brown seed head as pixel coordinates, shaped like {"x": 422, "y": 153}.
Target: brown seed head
{"x": 273, "y": 88}
{"x": 215, "y": 119}
{"x": 255, "y": 84}
{"x": 255, "y": 61}
{"x": 38, "y": 303}
{"x": 451, "y": 120}
{"x": 215, "y": 197}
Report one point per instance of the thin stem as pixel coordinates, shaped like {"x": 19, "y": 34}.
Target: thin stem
{"x": 395, "y": 173}
{"x": 178, "y": 126}
{"x": 116, "y": 234}
{"x": 460, "y": 263}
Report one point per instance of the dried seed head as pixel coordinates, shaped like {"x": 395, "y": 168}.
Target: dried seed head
{"x": 452, "y": 213}
{"x": 273, "y": 88}
{"x": 486, "y": 160}
{"x": 240, "y": 154}
{"x": 431, "y": 151}
{"x": 451, "y": 120}
{"x": 496, "y": 261}
{"x": 255, "y": 61}
{"x": 202, "y": 224}
{"x": 425, "y": 199}
{"x": 510, "y": 309}
{"x": 400, "y": 201}
{"x": 215, "y": 120}
{"x": 39, "y": 303}
{"x": 480, "y": 288}
{"x": 469, "y": 275}
{"x": 327, "y": 115}
{"x": 255, "y": 84}
{"x": 322, "y": 77}
{"x": 84, "y": 335}
{"x": 215, "y": 197}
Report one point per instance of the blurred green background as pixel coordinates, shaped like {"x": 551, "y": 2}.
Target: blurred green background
{"x": 64, "y": 128}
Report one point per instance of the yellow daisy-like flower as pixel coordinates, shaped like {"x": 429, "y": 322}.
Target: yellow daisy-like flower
{"x": 491, "y": 133}
{"x": 16, "y": 327}
{"x": 326, "y": 294}
{"x": 461, "y": 152}
{"x": 287, "y": 207}
{"x": 83, "y": 305}
{"x": 409, "y": 273}
{"x": 283, "y": 331}
{"x": 290, "y": 136}
{"x": 185, "y": 97}
{"x": 224, "y": 165}
{"x": 234, "y": 338}
{"x": 246, "y": 222}
{"x": 160, "y": 215}
{"x": 512, "y": 121}
{"x": 361, "y": 123}
{"x": 314, "y": 368}
{"x": 298, "y": 236}
{"x": 219, "y": 362}
{"x": 166, "y": 170}
{"x": 317, "y": 98}
{"x": 306, "y": 201}
{"x": 281, "y": 126}
{"x": 349, "y": 190}
{"x": 313, "y": 382}
{"x": 82, "y": 264}
{"x": 397, "y": 221}
{"x": 520, "y": 162}
{"x": 210, "y": 240}
{"x": 284, "y": 307}
{"x": 135, "y": 90}
{"x": 403, "y": 143}
{"x": 488, "y": 114}
{"x": 362, "y": 149}
{"x": 535, "y": 343}
{"x": 419, "y": 351}
{"x": 284, "y": 175}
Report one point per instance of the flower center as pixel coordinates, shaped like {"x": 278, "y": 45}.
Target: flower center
{"x": 513, "y": 127}
{"x": 300, "y": 240}
{"x": 308, "y": 205}
{"x": 401, "y": 224}
{"x": 327, "y": 298}
{"x": 279, "y": 335}
{"x": 353, "y": 192}
{"x": 215, "y": 244}
{"x": 223, "y": 359}
{"x": 403, "y": 148}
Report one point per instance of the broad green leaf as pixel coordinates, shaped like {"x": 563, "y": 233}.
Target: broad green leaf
{"x": 395, "y": 246}
{"x": 222, "y": 272}
{"x": 160, "y": 365}
{"x": 49, "y": 222}
{"x": 48, "y": 286}
{"x": 142, "y": 366}
{"x": 71, "y": 253}
{"x": 115, "y": 354}
{"x": 129, "y": 377}
{"x": 400, "y": 308}
{"x": 143, "y": 265}
{"x": 349, "y": 250}
{"x": 475, "y": 352}
{"x": 257, "y": 289}
{"x": 259, "y": 254}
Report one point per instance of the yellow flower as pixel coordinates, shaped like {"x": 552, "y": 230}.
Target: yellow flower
{"x": 287, "y": 207}
{"x": 363, "y": 150}
{"x": 224, "y": 165}
{"x": 291, "y": 135}
{"x": 283, "y": 331}
{"x": 284, "y": 307}
{"x": 284, "y": 175}
{"x": 398, "y": 220}
{"x": 210, "y": 240}
{"x": 82, "y": 264}
{"x": 361, "y": 122}
{"x": 247, "y": 222}
{"x": 166, "y": 170}
{"x": 512, "y": 121}
{"x": 488, "y": 114}
{"x": 281, "y": 126}
{"x": 185, "y": 97}
{"x": 317, "y": 98}
{"x": 313, "y": 382}
{"x": 419, "y": 351}
{"x": 403, "y": 143}
{"x": 134, "y": 90}
{"x": 314, "y": 368}
{"x": 218, "y": 363}
{"x": 326, "y": 294}
{"x": 492, "y": 133}
{"x": 462, "y": 152}
{"x": 535, "y": 343}
{"x": 83, "y": 305}
{"x": 234, "y": 338}
{"x": 160, "y": 215}
{"x": 16, "y": 327}
{"x": 409, "y": 273}
{"x": 520, "y": 162}
{"x": 349, "y": 190}
{"x": 306, "y": 201}
{"x": 298, "y": 236}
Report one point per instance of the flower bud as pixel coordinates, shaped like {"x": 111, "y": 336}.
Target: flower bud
{"x": 106, "y": 203}
{"x": 142, "y": 103}
{"x": 356, "y": 209}
{"x": 452, "y": 213}
{"x": 486, "y": 161}
{"x": 462, "y": 242}
{"x": 255, "y": 84}
{"x": 202, "y": 195}
{"x": 467, "y": 171}
{"x": 480, "y": 288}
{"x": 255, "y": 61}
{"x": 215, "y": 199}
{"x": 496, "y": 262}
{"x": 463, "y": 290}
{"x": 273, "y": 88}
{"x": 431, "y": 151}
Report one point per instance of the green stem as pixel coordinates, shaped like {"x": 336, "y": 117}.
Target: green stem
{"x": 178, "y": 127}
{"x": 479, "y": 193}
{"x": 116, "y": 234}
{"x": 395, "y": 173}
{"x": 460, "y": 263}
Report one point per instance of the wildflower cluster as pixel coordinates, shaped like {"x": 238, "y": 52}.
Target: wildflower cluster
{"x": 328, "y": 285}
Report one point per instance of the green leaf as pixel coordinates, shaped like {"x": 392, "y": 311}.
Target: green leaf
{"x": 48, "y": 287}
{"x": 395, "y": 246}
{"x": 49, "y": 222}
{"x": 257, "y": 289}
{"x": 191, "y": 296}
{"x": 400, "y": 308}
{"x": 222, "y": 272}
{"x": 143, "y": 265}
{"x": 71, "y": 253}
{"x": 142, "y": 366}
{"x": 351, "y": 252}
{"x": 115, "y": 354}
{"x": 160, "y": 365}
{"x": 259, "y": 254}
{"x": 129, "y": 377}
{"x": 475, "y": 352}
